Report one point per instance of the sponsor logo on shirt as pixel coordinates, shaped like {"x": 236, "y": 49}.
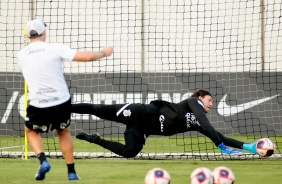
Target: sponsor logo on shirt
{"x": 32, "y": 51}
{"x": 46, "y": 90}
{"x": 48, "y": 100}
{"x": 162, "y": 119}
{"x": 64, "y": 125}
{"x": 191, "y": 120}
{"x": 36, "y": 127}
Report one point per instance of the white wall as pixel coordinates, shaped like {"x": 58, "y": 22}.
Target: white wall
{"x": 179, "y": 36}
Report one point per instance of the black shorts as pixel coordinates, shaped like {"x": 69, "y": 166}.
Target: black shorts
{"x": 50, "y": 118}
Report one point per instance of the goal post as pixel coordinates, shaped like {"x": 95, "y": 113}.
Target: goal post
{"x": 162, "y": 49}
{"x": 25, "y": 103}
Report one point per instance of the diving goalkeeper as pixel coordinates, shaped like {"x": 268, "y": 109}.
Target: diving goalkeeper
{"x": 159, "y": 118}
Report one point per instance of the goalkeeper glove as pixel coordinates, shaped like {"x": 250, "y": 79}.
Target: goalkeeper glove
{"x": 251, "y": 147}
{"x": 226, "y": 150}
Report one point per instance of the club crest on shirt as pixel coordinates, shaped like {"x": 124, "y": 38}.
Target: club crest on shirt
{"x": 127, "y": 113}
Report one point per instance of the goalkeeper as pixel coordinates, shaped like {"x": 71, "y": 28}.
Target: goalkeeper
{"x": 159, "y": 118}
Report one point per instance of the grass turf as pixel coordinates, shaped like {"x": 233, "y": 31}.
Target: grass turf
{"x": 129, "y": 171}
{"x": 154, "y": 144}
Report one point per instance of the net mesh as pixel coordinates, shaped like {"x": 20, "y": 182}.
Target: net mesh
{"x": 161, "y": 50}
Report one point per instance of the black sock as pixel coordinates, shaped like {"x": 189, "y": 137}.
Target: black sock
{"x": 71, "y": 168}
{"x": 41, "y": 157}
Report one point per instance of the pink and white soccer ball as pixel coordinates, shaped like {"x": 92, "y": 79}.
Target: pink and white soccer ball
{"x": 265, "y": 147}
{"x": 157, "y": 176}
{"x": 223, "y": 175}
{"x": 201, "y": 175}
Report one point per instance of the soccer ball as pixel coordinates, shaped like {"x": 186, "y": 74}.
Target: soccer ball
{"x": 265, "y": 147}
{"x": 157, "y": 176}
{"x": 201, "y": 175}
{"x": 223, "y": 175}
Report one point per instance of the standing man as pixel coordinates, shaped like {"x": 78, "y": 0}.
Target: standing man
{"x": 49, "y": 105}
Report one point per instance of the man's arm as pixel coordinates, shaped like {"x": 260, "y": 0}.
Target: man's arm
{"x": 86, "y": 56}
{"x": 200, "y": 114}
{"x": 207, "y": 129}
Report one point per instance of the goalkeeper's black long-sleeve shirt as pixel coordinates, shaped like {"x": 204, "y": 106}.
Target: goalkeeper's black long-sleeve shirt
{"x": 173, "y": 118}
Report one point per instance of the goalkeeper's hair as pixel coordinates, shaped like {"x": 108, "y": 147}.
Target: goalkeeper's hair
{"x": 201, "y": 92}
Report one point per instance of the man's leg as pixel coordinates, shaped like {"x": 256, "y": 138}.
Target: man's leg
{"x": 36, "y": 144}
{"x": 133, "y": 143}
{"x": 128, "y": 114}
{"x": 99, "y": 110}
{"x": 66, "y": 145}
{"x": 34, "y": 140}
{"x": 107, "y": 112}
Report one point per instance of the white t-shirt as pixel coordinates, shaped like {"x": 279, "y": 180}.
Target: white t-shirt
{"x": 41, "y": 66}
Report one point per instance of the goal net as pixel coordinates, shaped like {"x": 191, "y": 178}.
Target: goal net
{"x": 162, "y": 50}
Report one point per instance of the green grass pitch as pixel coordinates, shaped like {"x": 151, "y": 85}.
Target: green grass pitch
{"x": 132, "y": 171}
{"x": 129, "y": 171}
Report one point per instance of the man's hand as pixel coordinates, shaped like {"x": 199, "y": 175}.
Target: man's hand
{"x": 108, "y": 51}
{"x": 226, "y": 150}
